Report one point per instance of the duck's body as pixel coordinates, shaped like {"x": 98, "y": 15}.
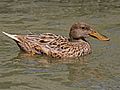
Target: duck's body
{"x": 53, "y": 45}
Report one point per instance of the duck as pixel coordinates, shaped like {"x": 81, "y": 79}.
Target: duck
{"x": 58, "y": 46}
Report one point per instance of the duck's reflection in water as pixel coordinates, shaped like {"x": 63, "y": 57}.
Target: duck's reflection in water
{"x": 72, "y": 69}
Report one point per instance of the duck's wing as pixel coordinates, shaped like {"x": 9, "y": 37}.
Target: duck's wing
{"x": 32, "y": 43}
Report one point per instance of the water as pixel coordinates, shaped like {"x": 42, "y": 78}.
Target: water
{"x": 97, "y": 71}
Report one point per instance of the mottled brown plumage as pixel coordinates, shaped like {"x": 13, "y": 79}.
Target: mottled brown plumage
{"x": 58, "y": 46}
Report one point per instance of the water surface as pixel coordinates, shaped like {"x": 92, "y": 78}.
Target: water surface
{"x": 97, "y": 71}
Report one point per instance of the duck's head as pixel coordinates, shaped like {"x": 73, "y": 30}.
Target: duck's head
{"x": 83, "y": 30}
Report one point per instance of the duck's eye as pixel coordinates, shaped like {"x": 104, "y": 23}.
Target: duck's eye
{"x": 83, "y": 27}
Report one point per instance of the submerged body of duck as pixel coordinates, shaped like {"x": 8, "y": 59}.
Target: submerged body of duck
{"x": 58, "y": 46}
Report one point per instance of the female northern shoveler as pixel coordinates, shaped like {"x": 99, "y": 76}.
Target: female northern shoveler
{"x": 59, "y": 46}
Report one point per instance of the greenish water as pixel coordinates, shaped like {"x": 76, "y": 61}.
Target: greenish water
{"x": 97, "y": 71}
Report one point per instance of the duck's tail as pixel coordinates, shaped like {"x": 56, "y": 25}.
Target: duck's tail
{"x": 11, "y": 36}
